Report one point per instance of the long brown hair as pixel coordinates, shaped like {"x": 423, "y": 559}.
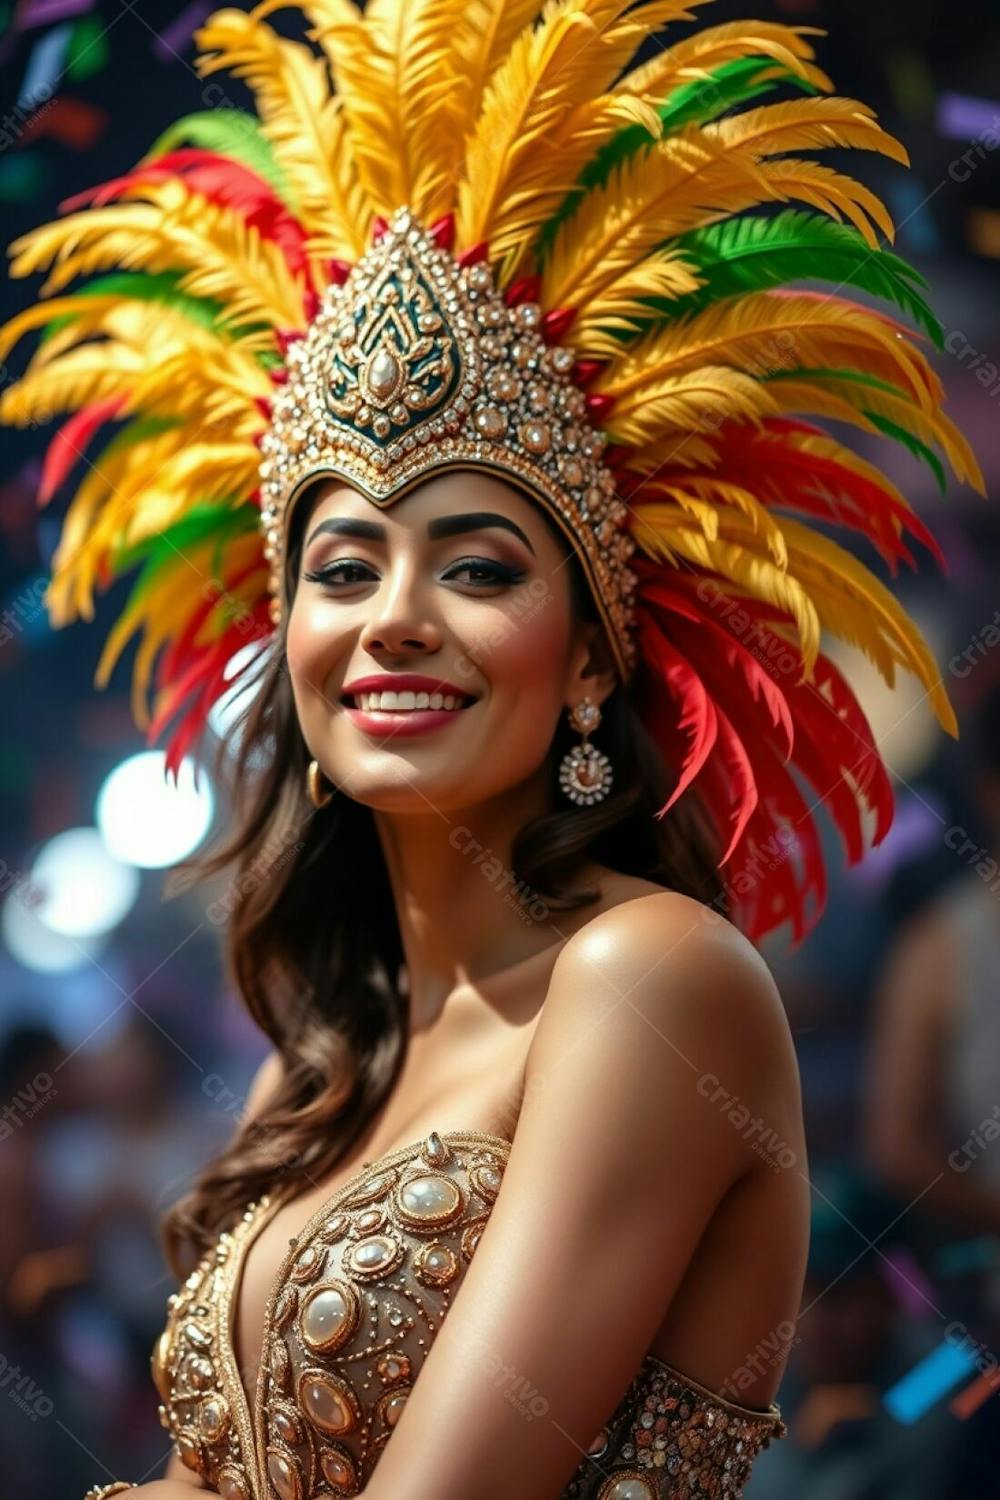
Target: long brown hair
{"x": 313, "y": 944}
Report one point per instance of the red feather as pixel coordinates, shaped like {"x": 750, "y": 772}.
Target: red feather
{"x": 70, "y": 443}
{"x": 674, "y": 705}
{"x": 771, "y": 465}
{"x": 223, "y": 181}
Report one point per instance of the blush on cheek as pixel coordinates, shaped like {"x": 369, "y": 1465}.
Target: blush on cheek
{"x": 308, "y": 648}
{"x": 537, "y": 637}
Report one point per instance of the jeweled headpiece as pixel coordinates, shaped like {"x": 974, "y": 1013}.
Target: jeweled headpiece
{"x": 417, "y": 365}
{"x": 480, "y": 236}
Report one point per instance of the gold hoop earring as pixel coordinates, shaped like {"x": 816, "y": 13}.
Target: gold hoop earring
{"x": 314, "y": 786}
{"x": 585, "y": 773}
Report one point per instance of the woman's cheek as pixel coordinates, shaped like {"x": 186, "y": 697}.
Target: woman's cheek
{"x": 311, "y": 648}
{"x": 538, "y": 634}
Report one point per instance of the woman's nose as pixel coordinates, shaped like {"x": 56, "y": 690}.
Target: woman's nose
{"x": 400, "y": 620}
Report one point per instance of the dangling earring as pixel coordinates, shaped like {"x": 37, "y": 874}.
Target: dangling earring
{"x": 585, "y": 774}
{"x": 314, "y": 786}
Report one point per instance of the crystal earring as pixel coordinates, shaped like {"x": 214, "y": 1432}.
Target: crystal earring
{"x": 585, "y": 774}
{"x": 314, "y": 786}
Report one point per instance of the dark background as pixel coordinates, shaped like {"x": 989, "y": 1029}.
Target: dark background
{"x": 147, "y": 1054}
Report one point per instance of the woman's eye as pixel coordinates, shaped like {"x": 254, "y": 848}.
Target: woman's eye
{"x": 336, "y": 572}
{"x": 488, "y": 569}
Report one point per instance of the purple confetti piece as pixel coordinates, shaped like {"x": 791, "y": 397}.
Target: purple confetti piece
{"x": 171, "y": 41}
{"x": 42, "y": 12}
{"x": 963, "y": 118}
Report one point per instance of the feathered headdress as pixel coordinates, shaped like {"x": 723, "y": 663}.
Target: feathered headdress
{"x": 469, "y": 233}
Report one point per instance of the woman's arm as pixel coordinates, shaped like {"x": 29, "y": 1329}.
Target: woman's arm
{"x": 617, "y": 1165}
{"x": 169, "y": 1488}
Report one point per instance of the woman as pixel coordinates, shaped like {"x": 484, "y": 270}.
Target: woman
{"x": 526, "y": 404}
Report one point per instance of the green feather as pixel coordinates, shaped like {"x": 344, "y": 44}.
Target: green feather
{"x": 732, "y": 83}
{"x": 162, "y": 286}
{"x": 858, "y": 377}
{"x": 753, "y": 252}
{"x": 917, "y": 448}
{"x": 229, "y": 132}
{"x": 144, "y": 286}
{"x": 169, "y": 547}
{"x": 884, "y": 425}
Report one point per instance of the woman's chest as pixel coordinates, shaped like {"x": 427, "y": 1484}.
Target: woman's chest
{"x": 348, "y": 1320}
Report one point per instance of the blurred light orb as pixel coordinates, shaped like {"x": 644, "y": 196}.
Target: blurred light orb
{"x": 82, "y": 889}
{"x": 36, "y": 946}
{"x": 144, "y": 820}
{"x": 226, "y": 712}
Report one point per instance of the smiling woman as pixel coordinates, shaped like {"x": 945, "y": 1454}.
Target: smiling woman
{"x": 465, "y": 383}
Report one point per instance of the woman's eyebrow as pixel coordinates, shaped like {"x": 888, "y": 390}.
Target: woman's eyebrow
{"x": 442, "y": 526}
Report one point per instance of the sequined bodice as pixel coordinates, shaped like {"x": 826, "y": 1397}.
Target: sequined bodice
{"x": 351, "y": 1316}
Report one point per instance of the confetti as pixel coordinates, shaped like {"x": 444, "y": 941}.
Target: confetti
{"x": 44, "y": 12}
{"x": 73, "y": 122}
{"x": 907, "y": 1280}
{"x": 173, "y": 39}
{"x": 22, "y": 177}
{"x": 44, "y": 68}
{"x": 927, "y": 1382}
{"x": 972, "y": 1398}
{"x": 88, "y": 50}
{"x": 962, "y": 118}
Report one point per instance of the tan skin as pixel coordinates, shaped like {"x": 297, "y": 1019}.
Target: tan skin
{"x": 634, "y": 1215}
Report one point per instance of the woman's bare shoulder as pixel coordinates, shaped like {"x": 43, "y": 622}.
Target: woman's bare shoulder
{"x": 689, "y": 971}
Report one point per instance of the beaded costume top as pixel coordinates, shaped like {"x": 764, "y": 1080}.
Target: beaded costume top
{"x": 351, "y": 1315}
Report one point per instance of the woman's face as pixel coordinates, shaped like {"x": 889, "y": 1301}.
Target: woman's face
{"x": 462, "y": 582}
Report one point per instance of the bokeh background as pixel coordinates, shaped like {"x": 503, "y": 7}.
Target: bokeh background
{"x": 125, "y": 1058}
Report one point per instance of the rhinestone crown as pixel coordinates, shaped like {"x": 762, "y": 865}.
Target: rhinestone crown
{"x": 416, "y": 365}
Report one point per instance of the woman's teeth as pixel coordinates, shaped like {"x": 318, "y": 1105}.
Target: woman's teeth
{"x": 389, "y": 702}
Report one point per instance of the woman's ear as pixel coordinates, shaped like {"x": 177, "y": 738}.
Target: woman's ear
{"x": 594, "y": 672}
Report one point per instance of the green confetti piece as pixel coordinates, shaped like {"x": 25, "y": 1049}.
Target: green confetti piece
{"x": 22, "y": 177}
{"x": 88, "y": 49}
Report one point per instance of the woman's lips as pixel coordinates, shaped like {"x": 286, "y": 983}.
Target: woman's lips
{"x": 402, "y": 721}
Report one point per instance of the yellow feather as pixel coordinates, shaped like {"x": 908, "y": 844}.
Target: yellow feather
{"x": 543, "y": 116}
{"x": 163, "y": 612}
{"x": 667, "y": 275}
{"x": 416, "y": 66}
{"x": 846, "y": 402}
{"x": 175, "y": 230}
{"x": 806, "y": 124}
{"x": 695, "y": 56}
{"x": 823, "y": 584}
{"x": 701, "y": 495}
{"x": 696, "y": 401}
{"x": 732, "y": 554}
{"x": 680, "y": 183}
{"x": 299, "y": 116}
{"x": 690, "y": 179}
{"x": 83, "y": 541}
{"x": 831, "y": 192}
{"x": 151, "y": 329}
{"x": 768, "y": 333}
{"x": 485, "y": 34}
{"x": 90, "y": 373}
{"x": 359, "y": 74}
{"x": 203, "y": 388}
